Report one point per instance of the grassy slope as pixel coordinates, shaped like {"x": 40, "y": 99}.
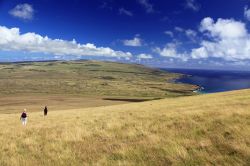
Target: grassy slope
{"x": 81, "y": 84}
{"x": 89, "y": 78}
{"x": 209, "y": 129}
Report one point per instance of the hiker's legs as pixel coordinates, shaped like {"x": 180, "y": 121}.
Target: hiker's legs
{"x": 24, "y": 121}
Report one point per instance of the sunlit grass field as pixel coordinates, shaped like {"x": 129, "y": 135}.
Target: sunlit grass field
{"x": 212, "y": 129}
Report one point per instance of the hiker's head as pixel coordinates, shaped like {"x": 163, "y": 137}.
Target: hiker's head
{"x": 24, "y": 110}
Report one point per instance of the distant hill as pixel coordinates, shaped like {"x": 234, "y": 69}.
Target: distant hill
{"x": 89, "y": 78}
{"x": 211, "y": 129}
{"x": 66, "y": 85}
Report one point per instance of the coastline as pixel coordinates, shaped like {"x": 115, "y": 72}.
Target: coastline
{"x": 213, "y": 81}
{"x": 198, "y": 90}
{"x": 177, "y": 80}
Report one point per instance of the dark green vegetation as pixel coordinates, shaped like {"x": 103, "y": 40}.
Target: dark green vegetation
{"x": 89, "y": 78}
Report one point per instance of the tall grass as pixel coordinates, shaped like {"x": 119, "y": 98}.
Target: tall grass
{"x": 209, "y": 129}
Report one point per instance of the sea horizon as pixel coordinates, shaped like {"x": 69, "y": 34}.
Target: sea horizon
{"x": 212, "y": 81}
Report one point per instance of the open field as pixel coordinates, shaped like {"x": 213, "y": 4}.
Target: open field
{"x": 209, "y": 129}
{"x": 16, "y": 104}
{"x": 80, "y": 84}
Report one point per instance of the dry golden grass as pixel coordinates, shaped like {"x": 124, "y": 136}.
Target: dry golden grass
{"x": 209, "y": 129}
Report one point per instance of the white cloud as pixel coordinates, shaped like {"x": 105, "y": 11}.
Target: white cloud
{"x": 106, "y": 5}
{"x": 228, "y": 40}
{"x": 23, "y": 11}
{"x": 190, "y": 33}
{"x": 225, "y": 39}
{"x": 247, "y": 13}
{"x": 12, "y": 40}
{"x": 193, "y": 5}
{"x": 223, "y": 28}
{"x": 170, "y": 51}
{"x": 144, "y": 56}
{"x": 199, "y": 53}
{"x": 178, "y": 29}
{"x": 125, "y": 12}
{"x": 147, "y": 5}
{"x": 169, "y": 33}
{"x": 135, "y": 42}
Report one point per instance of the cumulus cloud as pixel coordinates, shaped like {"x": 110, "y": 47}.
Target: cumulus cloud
{"x": 170, "y": 51}
{"x": 147, "y": 5}
{"x": 223, "y": 28}
{"x": 169, "y": 33}
{"x": 247, "y": 13}
{"x": 193, "y": 5}
{"x": 144, "y": 56}
{"x": 135, "y": 42}
{"x": 228, "y": 39}
{"x": 199, "y": 53}
{"x": 12, "y": 40}
{"x": 125, "y": 12}
{"x": 23, "y": 11}
{"x": 224, "y": 39}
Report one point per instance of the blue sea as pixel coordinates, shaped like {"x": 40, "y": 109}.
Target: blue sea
{"x": 212, "y": 81}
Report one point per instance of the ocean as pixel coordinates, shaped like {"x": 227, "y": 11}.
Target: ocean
{"x": 212, "y": 81}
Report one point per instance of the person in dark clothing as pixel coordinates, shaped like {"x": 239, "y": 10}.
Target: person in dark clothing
{"x": 24, "y": 117}
{"x": 45, "y": 111}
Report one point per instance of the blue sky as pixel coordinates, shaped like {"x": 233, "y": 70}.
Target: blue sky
{"x": 162, "y": 33}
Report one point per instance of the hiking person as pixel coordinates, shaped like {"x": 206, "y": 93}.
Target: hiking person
{"x": 45, "y": 111}
{"x": 24, "y": 117}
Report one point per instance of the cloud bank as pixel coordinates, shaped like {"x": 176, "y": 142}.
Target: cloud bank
{"x": 225, "y": 39}
{"x": 12, "y": 40}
